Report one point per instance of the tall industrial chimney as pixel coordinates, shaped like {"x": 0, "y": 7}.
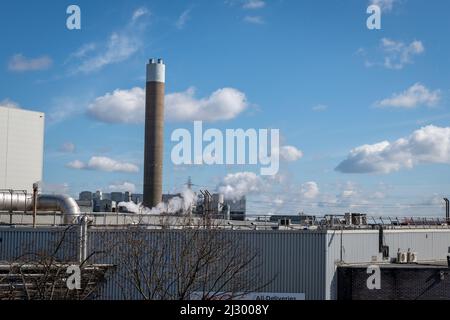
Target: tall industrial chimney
{"x": 154, "y": 132}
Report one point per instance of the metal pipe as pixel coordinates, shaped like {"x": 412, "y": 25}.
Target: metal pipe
{"x": 11, "y": 201}
{"x": 63, "y": 203}
{"x": 83, "y": 224}
{"x": 35, "y": 195}
{"x": 447, "y": 207}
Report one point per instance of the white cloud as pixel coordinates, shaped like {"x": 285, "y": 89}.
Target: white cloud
{"x": 76, "y": 164}
{"x": 83, "y": 50}
{"x": 55, "y": 188}
{"x": 20, "y": 63}
{"x": 399, "y": 54}
{"x": 183, "y": 18}
{"x": 9, "y": 104}
{"x": 128, "y": 106}
{"x": 396, "y": 54}
{"x": 385, "y": 5}
{"x": 237, "y": 185}
{"x": 122, "y": 187}
{"x": 253, "y": 4}
{"x": 119, "y": 46}
{"x": 430, "y": 144}
{"x": 104, "y": 164}
{"x": 67, "y": 147}
{"x": 223, "y": 104}
{"x": 65, "y": 107}
{"x": 254, "y": 19}
{"x": 139, "y": 13}
{"x": 290, "y": 153}
{"x": 310, "y": 190}
{"x": 319, "y": 108}
{"x": 414, "y": 96}
{"x": 120, "y": 106}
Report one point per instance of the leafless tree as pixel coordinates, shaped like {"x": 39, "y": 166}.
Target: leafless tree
{"x": 42, "y": 274}
{"x": 196, "y": 259}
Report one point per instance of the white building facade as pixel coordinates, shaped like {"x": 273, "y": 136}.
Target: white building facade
{"x": 21, "y": 148}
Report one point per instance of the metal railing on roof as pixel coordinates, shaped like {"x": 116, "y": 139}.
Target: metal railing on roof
{"x": 262, "y": 222}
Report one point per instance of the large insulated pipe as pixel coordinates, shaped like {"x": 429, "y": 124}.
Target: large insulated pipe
{"x": 65, "y": 204}
{"x": 154, "y": 132}
{"x": 10, "y": 201}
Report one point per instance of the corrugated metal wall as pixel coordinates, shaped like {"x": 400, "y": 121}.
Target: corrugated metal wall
{"x": 295, "y": 260}
{"x": 300, "y": 261}
{"x": 355, "y": 246}
{"x": 429, "y": 244}
{"x": 15, "y": 242}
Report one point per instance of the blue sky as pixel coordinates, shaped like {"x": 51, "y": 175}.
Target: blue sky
{"x": 310, "y": 68}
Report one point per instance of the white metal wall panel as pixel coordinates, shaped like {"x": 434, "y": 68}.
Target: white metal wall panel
{"x": 430, "y": 244}
{"x": 21, "y": 148}
{"x": 3, "y": 145}
{"x": 361, "y": 246}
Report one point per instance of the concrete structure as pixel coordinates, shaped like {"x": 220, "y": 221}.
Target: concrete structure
{"x": 154, "y": 132}
{"x": 21, "y": 148}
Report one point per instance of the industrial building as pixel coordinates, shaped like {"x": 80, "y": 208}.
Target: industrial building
{"x": 21, "y": 148}
{"x": 315, "y": 258}
{"x": 321, "y": 261}
{"x": 213, "y": 204}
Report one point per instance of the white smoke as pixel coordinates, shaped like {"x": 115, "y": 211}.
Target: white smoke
{"x": 237, "y": 185}
{"x": 189, "y": 199}
{"x": 183, "y": 203}
{"x": 131, "y": 207}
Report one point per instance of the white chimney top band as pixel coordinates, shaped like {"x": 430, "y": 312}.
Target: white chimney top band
{"x": 156, "y": 72}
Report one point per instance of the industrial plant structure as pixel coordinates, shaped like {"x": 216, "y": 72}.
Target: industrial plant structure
{"x": 154, "y": 132}
{"x": 314, "y": 258}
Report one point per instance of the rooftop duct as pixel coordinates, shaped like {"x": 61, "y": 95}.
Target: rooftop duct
{"x": 14, "y": 201}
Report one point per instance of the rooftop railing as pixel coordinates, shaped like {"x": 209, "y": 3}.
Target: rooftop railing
{"x": 260, "y": 222}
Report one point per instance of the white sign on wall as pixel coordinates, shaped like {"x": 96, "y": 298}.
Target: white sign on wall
{"x": 257, "y": 296}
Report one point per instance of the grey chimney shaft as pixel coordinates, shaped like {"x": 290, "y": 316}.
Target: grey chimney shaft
{"x": 154, "y": 133}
